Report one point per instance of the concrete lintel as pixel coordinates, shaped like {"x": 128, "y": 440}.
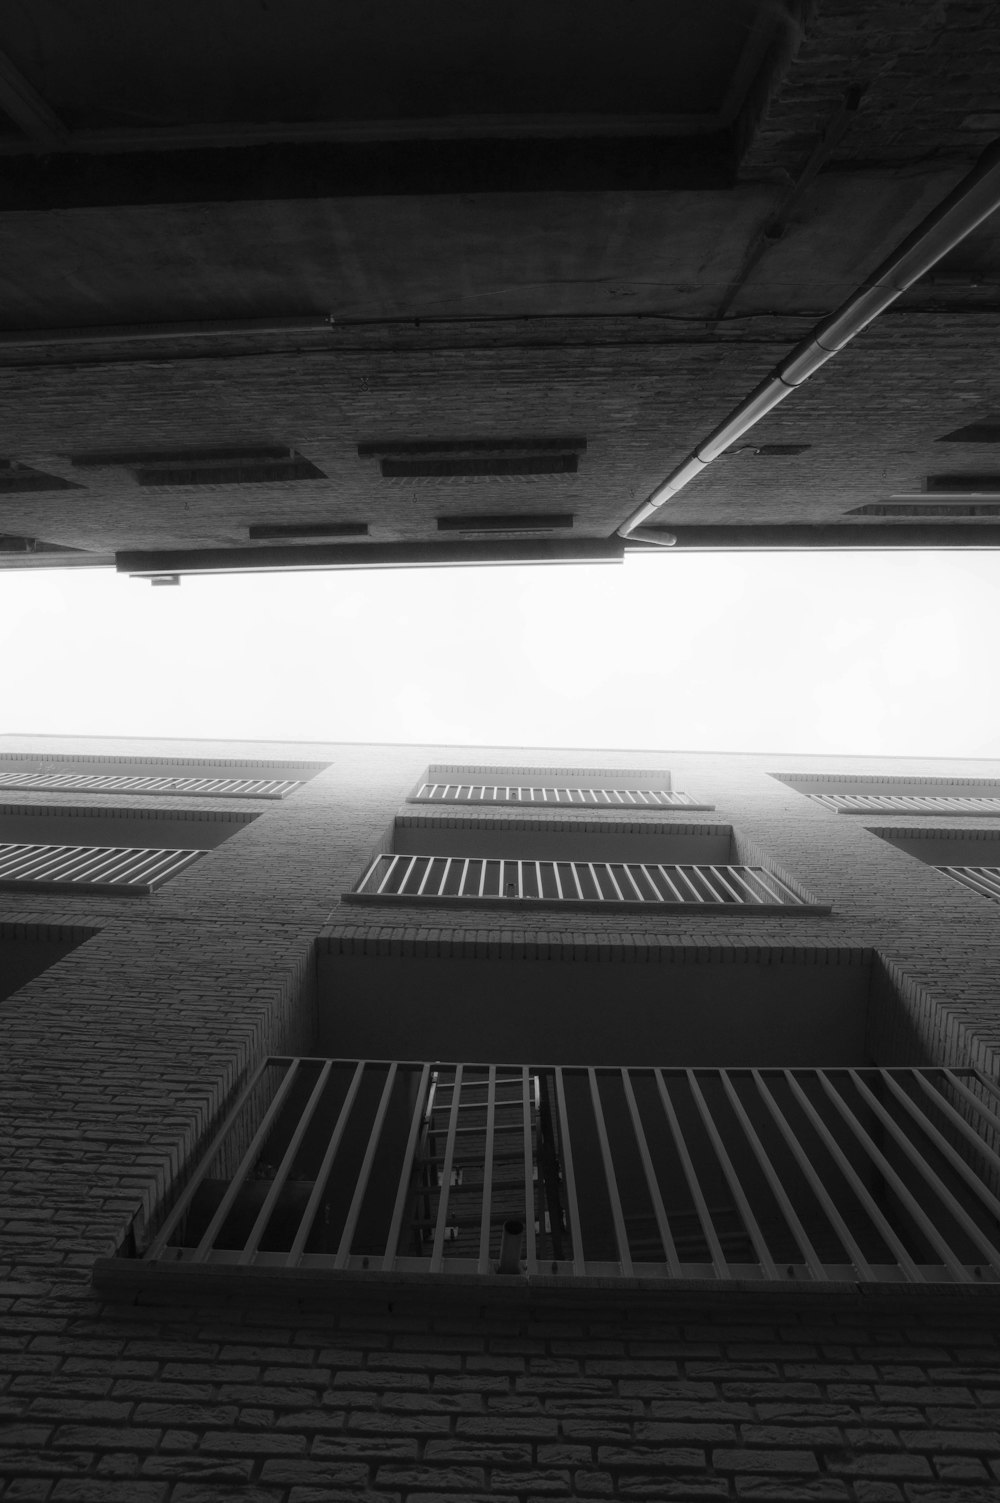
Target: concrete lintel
{"x": 328, "y": 169}
{"x": 361, "y": 555}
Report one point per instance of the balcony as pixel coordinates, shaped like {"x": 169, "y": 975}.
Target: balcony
{"x": 895, "y": 793}
{"x": 125, "y": 870}
{"x": 403, "y": 877}
{"x": 590, "y": 798}
{"x": 907, "y": 803}
{"x": 569, "y": 1174}
{"x": 93, "y": 782}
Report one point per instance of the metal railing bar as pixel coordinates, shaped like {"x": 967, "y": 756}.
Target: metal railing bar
{"x": 369, "y": 873}
{"x": 184, "y": 860}
{"x": 116, "y": 866}
{"x": 531, "y": 1248}
{"x": 806, "y": 1248}
{"x": 670, "y": 883}
{"x": 487, "y": 1188}
{"x": 364, "y": 1173}
{"x": 773, "y": 886}
{"x": 991, "y": 1201}
{"x": 725, "y": 884}
{"x": 879, "y": 1160}
{"x": 186, "y": 1196}
{"x": 857, "y": 1186}
{"x": 732, "y": 1179}
{"x": 71, "y": 864}
{"x": 815, "y": 1180}
{"x": 980, "y": 1106}
{"x": 931, "y": 1179}
{"x": 682, "y": 874}
{"x": 323, "y": 1173}
{"x": 652, "y": 1184}
{"x": 610, "y": 1178}
{"x": 388, "y": 872}
{"x": 716, "y": 885}
{"x": 245, "y": 1165}
{"x": 981, "y": 879}
{"x": 437, "y": 1251}
{"x": 569, "y": 1176}
{"x": 421, "y": 1110}
{"x": 719, "y": 1262}
{"x": 136, "y": 783}
{"x": 22, "y": 859}
{"x": 285, "y": 1167}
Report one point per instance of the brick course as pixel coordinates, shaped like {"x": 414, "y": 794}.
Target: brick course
{"x": 118, "y": 1059}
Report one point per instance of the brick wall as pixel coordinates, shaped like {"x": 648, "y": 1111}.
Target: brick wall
{"x": 926, "y": 71}
{"x": 276, "y": 1402}
{"x": 118, "y": 1059}
{"x": 644, "y": 393}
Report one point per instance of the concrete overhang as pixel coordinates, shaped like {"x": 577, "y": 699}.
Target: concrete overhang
{"x": 417, "y": 555}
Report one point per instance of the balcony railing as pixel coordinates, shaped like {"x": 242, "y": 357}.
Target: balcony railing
{"x": 592, "y": 798}
{"x": 911, "y": 803}
{"x": 87, "y": 868}
{"x": 982, "y": 879}
{"x": 638, "y": 883}
{"x": 804, "y": 1175}
{"x": 93, "y": 782}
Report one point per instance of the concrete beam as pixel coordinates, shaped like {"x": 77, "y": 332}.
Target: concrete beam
{"x": 360, "y": 169}
{"x": 416, "y": 555}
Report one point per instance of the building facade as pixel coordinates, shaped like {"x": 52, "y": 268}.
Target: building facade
{"x": 406, "y": 1122}
{"x": 355, "y": 286}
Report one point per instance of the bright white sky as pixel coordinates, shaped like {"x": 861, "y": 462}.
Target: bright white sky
{"x": 880, "y": 653}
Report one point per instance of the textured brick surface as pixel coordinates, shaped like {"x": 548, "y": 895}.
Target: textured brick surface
{"x": 119, "y": 1058}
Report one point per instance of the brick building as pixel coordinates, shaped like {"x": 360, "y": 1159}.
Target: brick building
{"x": 381, "y": 283}
{"x": 608, "y": 1260}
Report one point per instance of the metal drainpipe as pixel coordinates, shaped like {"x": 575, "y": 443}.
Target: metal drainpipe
{"x": 974, "y": 200}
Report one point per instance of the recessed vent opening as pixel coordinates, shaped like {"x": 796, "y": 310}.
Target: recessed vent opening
{"x": 15, "y": 479}
{"x": 512, "y": 522}
{"x": 782, "y": 449}
{"x": 973, "y": 433}
{"x": 484, "y": 465}
{"x": 248, "y": 465}
{"x": 964, "y": 485}
{"x": 951, "y": 509}
{"x": 306, "y": 531}
{"x": 460, "y": 459}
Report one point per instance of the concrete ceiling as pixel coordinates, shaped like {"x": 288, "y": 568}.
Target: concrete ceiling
{"x": 126, "y": 67}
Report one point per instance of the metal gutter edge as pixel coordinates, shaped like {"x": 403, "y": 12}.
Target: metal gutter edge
{"x": 962, "y": 211}
{"x": 770, "y": 538}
